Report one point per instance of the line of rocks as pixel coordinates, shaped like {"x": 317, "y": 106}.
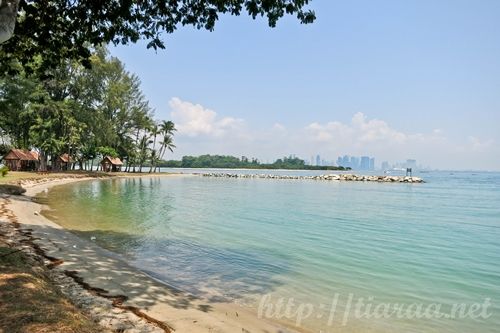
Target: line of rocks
{"x": 338, "y": 177}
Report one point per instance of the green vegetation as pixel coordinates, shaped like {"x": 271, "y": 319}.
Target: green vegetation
{"x": 232, "y": 162}
{"x": 3, "y": 171}
{"x": 85, "y": 113}
{"x": 29, "y": 302}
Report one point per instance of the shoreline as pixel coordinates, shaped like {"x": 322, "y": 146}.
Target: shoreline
{"x": 112, "y": 287}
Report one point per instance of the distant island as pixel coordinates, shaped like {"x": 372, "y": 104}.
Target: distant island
{"x": 233, "y": 162}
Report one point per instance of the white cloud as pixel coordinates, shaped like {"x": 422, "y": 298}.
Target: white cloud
{"x": 202, "y": 131}
{"x": 279, "y": 127}
{"x": 195, "y": 120}
{"x": 377, "y": 138}
{"x": 477, "y": 145}
{"x": 360, "y": 132}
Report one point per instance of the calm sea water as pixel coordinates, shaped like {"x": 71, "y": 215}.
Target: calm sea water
{"x": 325, "y": 244}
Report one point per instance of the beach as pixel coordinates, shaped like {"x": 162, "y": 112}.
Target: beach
{"x": 118, "y": 295}
{"x": 188, "y": 253}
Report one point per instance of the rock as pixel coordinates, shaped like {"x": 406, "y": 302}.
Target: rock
{"x": 343, "y": 177}
{"x": 11, "y": 189}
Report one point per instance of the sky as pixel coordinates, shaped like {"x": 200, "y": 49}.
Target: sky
{"x": 397, "y": 80}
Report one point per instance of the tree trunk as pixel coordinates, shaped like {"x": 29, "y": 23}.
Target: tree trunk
{"x": 43, "y": 162}
{"x": 8, "y": 15}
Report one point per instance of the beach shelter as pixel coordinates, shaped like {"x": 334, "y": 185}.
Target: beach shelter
{"x": 21, "y": 160}
{"x": 63, "y": 162}
{"x": 111, "y": 164}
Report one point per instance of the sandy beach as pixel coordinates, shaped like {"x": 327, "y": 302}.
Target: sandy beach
{"x": 119, "y": 296}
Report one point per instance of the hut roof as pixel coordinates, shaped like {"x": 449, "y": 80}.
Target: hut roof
{"x": 65, "y": 158}
{"x": 21, "y": 154}
{"x": 113, "y": 160}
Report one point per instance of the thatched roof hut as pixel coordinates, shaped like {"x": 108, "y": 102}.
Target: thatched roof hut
{"x": 63, "y": 162}
{"x": 21, "y": 160}
{"x": 111, "y": 164}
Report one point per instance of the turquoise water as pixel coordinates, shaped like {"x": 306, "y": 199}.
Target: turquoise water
{"x": 239, "y": 239}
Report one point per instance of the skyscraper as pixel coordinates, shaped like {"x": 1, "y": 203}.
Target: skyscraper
{"x": 345, "y": 161}
{"x": 365, "y": 163}
{"x": 372, "y": 163}
{"x": 354, "y": 163}
{"x": 318, "y": 160}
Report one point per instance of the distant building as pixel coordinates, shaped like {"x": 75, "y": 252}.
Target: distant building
{"x": 411, "y": 164}
{"x": 357, "y": 163}
{"x": 318, "y": 160}
{"x": 344, "y": 161}
{"x": 385, "y": 166}
{"x": 354, "y": 163}
{"x": 364, "y": 163}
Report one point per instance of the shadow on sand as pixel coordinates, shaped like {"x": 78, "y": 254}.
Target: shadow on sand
{"x": 227, "y": 276}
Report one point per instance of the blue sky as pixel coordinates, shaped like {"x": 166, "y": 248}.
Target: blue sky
{"x": 393, "y": 79}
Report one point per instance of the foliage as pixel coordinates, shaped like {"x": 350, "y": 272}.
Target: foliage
{"x": 4, "y": 149}
{"x": 231, "y": 162}
{"x": 4, "y": 170}
{"x": 61, "y": 30}
{"x": 86, "y": 113}
{"x": 106, "y": 151}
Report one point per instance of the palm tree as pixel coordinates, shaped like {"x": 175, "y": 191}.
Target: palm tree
{"x": 167, "y": 129}
{"x": 167, "y": 143}
{"x": 144, "y": 149}
{"x": 155, "y": 130}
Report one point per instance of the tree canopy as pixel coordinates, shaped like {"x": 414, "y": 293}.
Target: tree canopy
{"x": 85, "y": 113}
{"x": 67, "y": 29}
{"x": 232, "y": 162}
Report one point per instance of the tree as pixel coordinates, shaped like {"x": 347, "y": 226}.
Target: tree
{"x": 8, "y": 13}
{"x": 17, "y": 94}
{"x": 167, "y": 144}
{"x": 80, "y": 112}
{"x": 60, "y": 30}
{"x": 47, "y": 132}
{"x": 167, "y": 129}
{"x": 155, "y": 130}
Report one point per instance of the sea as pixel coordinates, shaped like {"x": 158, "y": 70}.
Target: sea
{"x": 324, "y": 256}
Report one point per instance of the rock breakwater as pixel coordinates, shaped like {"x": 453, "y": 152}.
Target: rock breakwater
{"x": 330, "y": 177}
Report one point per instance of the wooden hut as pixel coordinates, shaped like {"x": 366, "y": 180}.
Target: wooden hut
{"x": 63, "y": 162}
{"x": 111, "y": 164}
{"x": 21, "y": 160}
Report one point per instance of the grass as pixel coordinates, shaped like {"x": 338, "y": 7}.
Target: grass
{"x": 30, "y": 303}
{"x": 14, "y": 176}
